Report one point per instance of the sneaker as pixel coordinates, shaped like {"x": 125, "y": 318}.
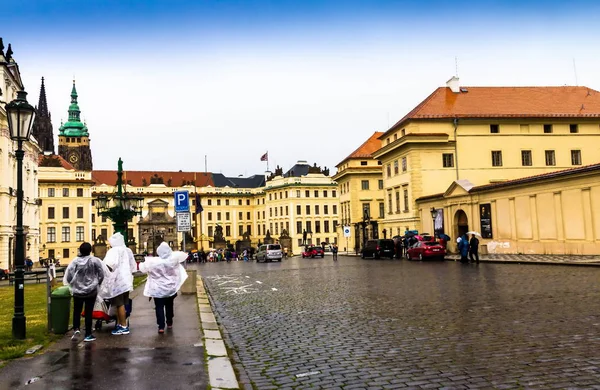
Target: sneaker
{"x": 161, "y": 331}
{"x": 76, "y": 334}
{"x": 117, "y": 331}
{"x": 89, "y": 338}
{"x": 125, "y": 330}
{"x": 169, "y": 326}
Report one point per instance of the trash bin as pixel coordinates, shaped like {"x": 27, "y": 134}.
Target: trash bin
{"x": 60, "y": 306}
{"x": 189, "y": 286}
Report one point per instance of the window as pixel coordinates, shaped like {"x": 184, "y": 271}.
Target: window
{"x": 218, "y": 216}
{"x": 240, "y": 215}
{"x": 573, "y": 129}
{"x": 547, "y": 129}
{"x": 276, "y": 212}
{"x": 316, "y": 193}
{"x": 248, "y": 203}
{"x": 104, "y": 233}
{"x": 395, "y": 137}
{"x": 80, "y": 212}
{"x": 395, "y": 167}
{"x": 317, "y": 209}
{"x": 66, "y": 234}
{"x": 364, "y": 184}
{"x": 308, "y": 226}
{"x": 248, "y": 215}
{"x": 227, "y": 218}
{"x": 550, "y": 158}
{"x": 326, "y": 226}
{"x": 389, "y": 170}
{"x": 526, "y": 160}
{"x": 325, "y": 209}
{"x": 307, "y": 209}
{"x": 226, "y": 202}
{"x": 287, "y": 209}
{"x": 366, "y": 207}
{"x": 307, "y": 194}
{"x": 390, "y": 202}
{"x": 496, "y": 158}
{"x": 317, "y": 226}
{"x": 263, "y": 214}
{"x": 228, "y": 230}
{"x": 298, "y": 227}
{"x": 209, "y": 216}
{"x": 334, "y": 209}
{"x": 270, "y": 211}
{"x": 239, "y": 202}
{"x": 381, "y": 210}
{"x": 406, "y": 200}
{"x": 380, "y": 184}
{"x": 66, "y": 253}
{"x": 334, "y": 225}
{"x": 51, "y": 236}
{"x": 79, "y": 235}
{"x": 241, "y": 230}
{"x": 297, "y": 193}
{"x": 334, "y": 193}
{"x": 258, "y": 229}
{"x": 104, "y": 220}
{"x": 209, "y": 202}
{"x": 93, "y": 218}
{"x": 80, "y": 192}
{"x": 397, "y": 201}
{"x": 298, "y": 209}
{"x": 575, "y": 157}
{"x": 280, "y": 211}
{"x": 447, "y": 160}
{"x": 50, "y": 212}
{"x": 93, "y": 234}
{"x": 404, "y": 164}
{"x": 65, "y": 212}
{"x": 51, "y": 192}
{"x": 249, "y": 229}
{"x": 218, "y": 202}
{"x": 210, "y": 231}
{"x": 494, "y": 129}
{"x": 363, "y": 163}
{"x": 65, "y": 192}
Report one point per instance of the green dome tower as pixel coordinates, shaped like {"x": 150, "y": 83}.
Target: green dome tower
{"x": 73, "y": 138}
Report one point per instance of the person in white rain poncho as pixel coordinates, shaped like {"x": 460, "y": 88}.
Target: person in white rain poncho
{"x": 165, "y": 277}
{"x": 119, "y": 282}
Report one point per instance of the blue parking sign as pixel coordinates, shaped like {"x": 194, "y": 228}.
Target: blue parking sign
{"x": 182, "y": 201}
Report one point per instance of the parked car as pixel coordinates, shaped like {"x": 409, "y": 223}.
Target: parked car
{"x": 378, "y": 249}
{"x": 269, "y": 252}
{"x": 426, "y": 250}
{"x": 313, "y": 251}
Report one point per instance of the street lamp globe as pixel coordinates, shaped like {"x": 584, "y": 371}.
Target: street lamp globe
{"x": 433, "y": 212}
{"x": 20, "y": 116}
{"x": 102, "y": 202}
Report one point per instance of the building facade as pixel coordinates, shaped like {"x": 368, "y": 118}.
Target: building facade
{"x": 10, "y": 84}
{"x": 360, "y": 183}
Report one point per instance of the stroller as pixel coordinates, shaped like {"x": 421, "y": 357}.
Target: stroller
{"x": 102, "y": 312}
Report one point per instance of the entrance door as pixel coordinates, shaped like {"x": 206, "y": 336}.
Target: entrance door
{"x": 461, "y": 223}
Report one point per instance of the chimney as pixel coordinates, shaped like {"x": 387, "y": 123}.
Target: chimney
{"x": 453, "y": 84}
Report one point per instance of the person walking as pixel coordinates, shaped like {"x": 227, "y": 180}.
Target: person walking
{"x": 334, "y": 251}
{"x": 463, "y": 248}
{"x": 121, "y": 263}
{"x": 84, "y": 274}
{"x": 474, "y": 249}
{"x": 165, "y": 277}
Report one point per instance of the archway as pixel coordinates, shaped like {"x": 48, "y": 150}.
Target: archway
{"x": 461, "y": 223}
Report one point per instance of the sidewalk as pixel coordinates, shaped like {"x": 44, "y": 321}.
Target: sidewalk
{"x": 141, "y": 360}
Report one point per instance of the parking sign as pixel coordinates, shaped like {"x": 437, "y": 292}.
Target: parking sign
{"x": 182, "y": 201}
{"x": 346, "y": 231}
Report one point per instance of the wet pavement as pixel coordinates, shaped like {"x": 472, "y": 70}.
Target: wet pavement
{"x": 141, "y": 360}
{"x": 386, "y": 324}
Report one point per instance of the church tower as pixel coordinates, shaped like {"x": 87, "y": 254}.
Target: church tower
{"x": 42, "y": 124}
{"x": 73, "y": 138}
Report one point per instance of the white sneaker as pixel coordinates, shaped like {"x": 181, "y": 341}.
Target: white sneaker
{"x": 75, "y": 335}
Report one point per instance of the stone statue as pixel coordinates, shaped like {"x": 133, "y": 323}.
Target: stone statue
{"x": 120, "y": 163}
{"x": 268, "y": 234}
{"x": 246, "y": 236}
{"x": 218, "y": 236}
{"x": 99, "y": 240}
{"x": 284, "y": 234}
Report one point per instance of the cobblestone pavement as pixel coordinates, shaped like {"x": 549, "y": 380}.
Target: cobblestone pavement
{"x": 542, "y": 259}
{"x": 387, "y": 324}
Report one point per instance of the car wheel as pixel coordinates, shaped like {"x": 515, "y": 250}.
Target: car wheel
{"x": 362, "y": 255}
{"x": 420, "y": 257}
{"x": 323, "y": 255}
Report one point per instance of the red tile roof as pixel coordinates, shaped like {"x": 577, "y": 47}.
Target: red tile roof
{"x": 136, "y": 178}
{"x": 507, "y": 102}
{"x": 46, "y": 161}
{"x": 367, "y": 148}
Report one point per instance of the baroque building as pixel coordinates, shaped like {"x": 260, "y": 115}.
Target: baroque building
{"x": 10, "y": 84}
{"x": 73, "y": 138}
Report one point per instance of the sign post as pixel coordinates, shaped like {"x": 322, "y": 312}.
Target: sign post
{"x": 346, "y": 234}
{"x": 182, "y": 211}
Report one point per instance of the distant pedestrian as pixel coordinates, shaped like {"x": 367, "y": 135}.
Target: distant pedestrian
{"x": 474, "y": 248}
{"x": 165, "y": 278}
{"x": 463, "y": 248}
{"x": 84, "y": 274}
{"x": 334, "y": 251}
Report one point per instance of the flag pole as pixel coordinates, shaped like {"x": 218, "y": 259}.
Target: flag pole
{"x": 267, "y": 160}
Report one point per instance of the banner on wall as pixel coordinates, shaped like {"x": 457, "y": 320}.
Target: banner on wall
{"x": 485, "y": 220}
{"x": 438, "y": 224}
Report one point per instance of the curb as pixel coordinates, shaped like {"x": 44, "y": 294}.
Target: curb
{"x": 220, "y": 369}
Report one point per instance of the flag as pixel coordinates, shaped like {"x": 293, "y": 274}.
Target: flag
{"x": 199, "y": 207}
{"x": 265, "y": 157}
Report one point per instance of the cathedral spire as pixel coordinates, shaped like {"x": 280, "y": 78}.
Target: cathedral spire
{"x": 42, "y": 108}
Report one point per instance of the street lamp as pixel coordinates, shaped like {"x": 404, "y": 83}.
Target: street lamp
{"x": 433, "y": 212}
{"x": 20, "y": 115}
{"x": 365, "y": 221}
{"x": 125, "y": 207}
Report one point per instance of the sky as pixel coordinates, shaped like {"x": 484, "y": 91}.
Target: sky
{"x": 162, "y": 84}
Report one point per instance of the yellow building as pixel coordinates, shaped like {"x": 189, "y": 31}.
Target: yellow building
{"x": 360, "y": 183}
{"x": 551, "y": 213}
{"x": 65, "y": 208}
{"x": 484, "y": 135}
{"x": 10, "y": 84}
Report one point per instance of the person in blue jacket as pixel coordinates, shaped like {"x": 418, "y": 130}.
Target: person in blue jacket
{"x": 463, "y": 248}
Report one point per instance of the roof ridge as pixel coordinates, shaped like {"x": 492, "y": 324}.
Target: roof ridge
{"x": 417, "y": 108}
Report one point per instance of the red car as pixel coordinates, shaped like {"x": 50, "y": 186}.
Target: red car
{"x": 426, "y": 250}
{"x": 313, "y": 251}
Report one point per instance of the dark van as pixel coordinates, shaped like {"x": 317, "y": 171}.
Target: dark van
{"x": 378, "y": 249}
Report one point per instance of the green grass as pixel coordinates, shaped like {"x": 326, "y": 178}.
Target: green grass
{"x": 139, "y": 279}
{"x": 36, "y": 316}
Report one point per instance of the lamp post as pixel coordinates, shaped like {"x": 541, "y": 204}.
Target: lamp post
{"x": 365, "y": 221}
{"x": 125, "y": 206}
{"x": 433, "y": 212}
{"x": 20, "y": 116}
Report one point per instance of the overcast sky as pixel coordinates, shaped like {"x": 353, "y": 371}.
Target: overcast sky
{"x": 164, "y": 83}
